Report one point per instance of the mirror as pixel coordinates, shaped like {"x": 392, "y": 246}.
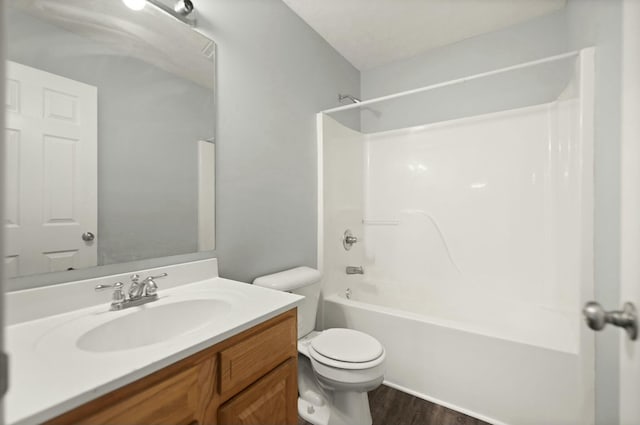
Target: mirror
{"x": 110, "y": 126}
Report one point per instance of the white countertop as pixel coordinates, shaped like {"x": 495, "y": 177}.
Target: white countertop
{"x": 50, "y": 375}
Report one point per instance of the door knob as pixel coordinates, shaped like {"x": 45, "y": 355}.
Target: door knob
{"x": 88, "y": 236}
{"x": 597, "y": 318}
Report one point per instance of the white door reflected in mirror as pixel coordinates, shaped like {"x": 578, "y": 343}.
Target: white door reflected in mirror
{"x": 51, "y": 175}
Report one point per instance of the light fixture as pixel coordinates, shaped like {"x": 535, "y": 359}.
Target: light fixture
{"x": 183, "y": 7}
{"x": 135, "y": 4}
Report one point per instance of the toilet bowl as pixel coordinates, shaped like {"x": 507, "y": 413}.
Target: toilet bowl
{"x": 345, "y": 359}
{"x": 336, "y": 367}
{"x": 344, "y": 365}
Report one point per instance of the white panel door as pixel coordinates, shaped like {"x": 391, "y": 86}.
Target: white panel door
{"x": 51, "y": 186}
{"x": 630, "y": 220}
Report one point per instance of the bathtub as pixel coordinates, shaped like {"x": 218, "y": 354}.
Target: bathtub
{"x": 476, "y": 371}
{"x": 476, "y": 238}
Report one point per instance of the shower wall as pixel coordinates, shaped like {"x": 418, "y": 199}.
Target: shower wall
{"x": 480, "y": 214}
{"x": 341, "y": 200}
{"x": 464, "y": 216}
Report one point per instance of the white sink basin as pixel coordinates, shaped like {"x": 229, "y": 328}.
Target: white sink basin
{"x": 152, "y": 324}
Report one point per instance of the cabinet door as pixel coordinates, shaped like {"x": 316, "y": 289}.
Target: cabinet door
{"x": 164, "y": 399}
{"x": 273, "y": 400}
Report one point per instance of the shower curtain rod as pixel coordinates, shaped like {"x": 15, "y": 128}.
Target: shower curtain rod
{"x": 452, "y": 82}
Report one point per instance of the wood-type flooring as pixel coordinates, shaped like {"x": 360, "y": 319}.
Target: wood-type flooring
{"x": 393, "y": 407}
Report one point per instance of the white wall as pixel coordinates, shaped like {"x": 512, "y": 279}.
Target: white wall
{"x": 583, "y": 23}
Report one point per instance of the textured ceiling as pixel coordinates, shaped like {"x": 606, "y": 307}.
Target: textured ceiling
{"x": 370, "y": 33}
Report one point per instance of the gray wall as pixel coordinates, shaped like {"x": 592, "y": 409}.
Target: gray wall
{"x": 149, "y": 122}
{"x": 584, "y": 23}
{"x": 531, "y": 40}
{"x": 274, "y": 74}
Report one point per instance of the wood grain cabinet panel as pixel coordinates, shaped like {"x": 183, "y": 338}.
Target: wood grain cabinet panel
{"x": 173, "y": 400}
{"x": 250, "y": 359}
{"x": 262, "y": 359}
{"x": 273, "y": 400}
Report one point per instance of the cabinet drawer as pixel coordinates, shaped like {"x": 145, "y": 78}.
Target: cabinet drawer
{"x": 253, "y": 357}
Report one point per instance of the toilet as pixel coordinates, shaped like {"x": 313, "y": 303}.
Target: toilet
{"x": 336, "y": 367}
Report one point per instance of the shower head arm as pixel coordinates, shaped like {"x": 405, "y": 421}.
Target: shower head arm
{"x": 353, "y": 99}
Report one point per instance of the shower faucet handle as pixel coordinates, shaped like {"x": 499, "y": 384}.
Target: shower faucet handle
{"x": 348, "y": 239}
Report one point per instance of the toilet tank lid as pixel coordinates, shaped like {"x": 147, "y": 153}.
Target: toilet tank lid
{"x": 288, "y": 280}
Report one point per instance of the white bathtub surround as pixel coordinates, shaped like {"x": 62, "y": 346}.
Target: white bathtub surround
{"x": 476, "y": 242}
{"x": 64, "y": 359}
{"x": 488, "y": 231}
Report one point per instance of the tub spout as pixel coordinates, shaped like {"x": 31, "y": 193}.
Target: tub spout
{"x": 355, "y": 270}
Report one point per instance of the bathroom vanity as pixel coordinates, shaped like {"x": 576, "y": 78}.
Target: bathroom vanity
{"x": 247, "y": 379}
{"x": 208, "y": 351}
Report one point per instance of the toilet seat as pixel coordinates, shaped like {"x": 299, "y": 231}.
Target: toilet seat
{"x": 346, "y": 349}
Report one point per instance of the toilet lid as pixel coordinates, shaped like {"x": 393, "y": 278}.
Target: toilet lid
{"x": 347, "y": 345}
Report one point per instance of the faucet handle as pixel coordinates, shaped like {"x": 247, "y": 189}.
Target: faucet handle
{"x": 118, "y": 297}
{"x": 101, "y": 287}
{"x": 348, "y": 240}
{"x": 151, "y": 278}
{"x": 151, "y": 288}
{"x": 118, "y": 293}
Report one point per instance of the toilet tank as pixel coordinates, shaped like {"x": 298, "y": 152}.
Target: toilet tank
{"x": 303, "y": 281}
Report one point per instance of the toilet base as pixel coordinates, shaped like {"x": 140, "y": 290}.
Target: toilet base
{"x": 350, "y": 408}
{"x": 320, "y": 406}
{"x": 316, "y": 415}
{"x": 347, "y": 409}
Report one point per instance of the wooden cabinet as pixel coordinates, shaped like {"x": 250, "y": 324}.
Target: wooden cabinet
{"x": 250, "y": 378}
{"x": 246, "y": 361}
{"x": 273, "y": 400}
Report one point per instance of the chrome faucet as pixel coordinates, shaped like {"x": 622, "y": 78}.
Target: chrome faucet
{"x": 147, "y": 287}
{"x": 139, "y": 292}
